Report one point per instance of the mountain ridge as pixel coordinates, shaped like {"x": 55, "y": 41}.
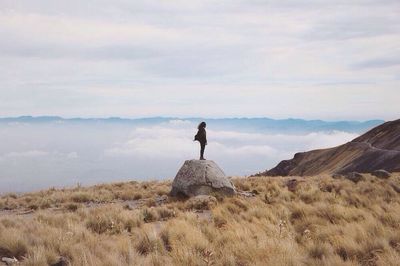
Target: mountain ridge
{"x": 379, "y": 148}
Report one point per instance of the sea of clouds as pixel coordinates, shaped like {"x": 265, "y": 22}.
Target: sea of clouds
{"x": 36, "y": 156}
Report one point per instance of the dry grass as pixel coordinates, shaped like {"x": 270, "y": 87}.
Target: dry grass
{"x": 324, "y": 221}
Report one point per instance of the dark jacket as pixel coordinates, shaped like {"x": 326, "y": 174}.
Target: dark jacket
{"x": 201, "y": 135}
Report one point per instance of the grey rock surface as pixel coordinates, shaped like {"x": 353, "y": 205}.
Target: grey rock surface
{"x": 9, "y": 261}
{"x": 337, "y": 176}
{"x": 381, "y": 173}
{"x": 201, "y": 177}
{"x": 292, "y": 185}
{"x": 354, "y": 176}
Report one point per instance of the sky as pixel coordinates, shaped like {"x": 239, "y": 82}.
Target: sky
{"x": 314, "y": 59}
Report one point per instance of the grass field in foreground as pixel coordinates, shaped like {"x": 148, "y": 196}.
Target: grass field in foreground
{"x": 324, "y": 221}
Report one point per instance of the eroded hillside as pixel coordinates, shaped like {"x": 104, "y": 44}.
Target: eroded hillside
{"x": 379, "y": 148}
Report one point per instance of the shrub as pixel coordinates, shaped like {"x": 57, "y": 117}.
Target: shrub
{"x": 149, "y": 215}
{"x": 12, "y": 244}
{"x": 33, "y": 207}
{"x": 137, "y": 196}
{"x": 145, "y": 244}
{"x": 81, "y": 197}
{"x": 72, "y": 207}
{"x": 319, "y": 251}
{"x": 165, "y": 213}
{"x": 151, "y": 202}
{"x": 101, "y": 224}
{"x": 45, "y": 204}
{"x": 201, "y": 202}
{"x": 130, "y": 224}
{"x": 219, "y": 221}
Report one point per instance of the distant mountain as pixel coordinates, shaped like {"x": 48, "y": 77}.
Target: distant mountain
{"x": 237, "y": 124}
{"x": 379, "y": 148}
{"x": 291, "y": 125}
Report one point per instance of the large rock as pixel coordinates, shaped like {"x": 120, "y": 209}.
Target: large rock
{"x": 381, "y": 173}
{"x": 355, "y": 177}
{"x": 201, "y": 177}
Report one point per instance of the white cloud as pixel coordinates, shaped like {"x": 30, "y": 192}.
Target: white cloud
{"x": 306, "y": 141}
{"x": 220, "y": 150}
{"x": 156, "y": 141}
{"x": 163, "y": 141}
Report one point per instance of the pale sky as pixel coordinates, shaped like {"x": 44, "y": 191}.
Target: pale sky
{"x": 311, "y": 59}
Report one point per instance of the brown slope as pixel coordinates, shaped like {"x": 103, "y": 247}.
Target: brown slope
{"x": 379, "y": 148}
{"x": 385, "y": 136}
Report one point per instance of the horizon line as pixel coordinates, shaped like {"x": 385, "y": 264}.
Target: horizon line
{"x": 183, "y": 118}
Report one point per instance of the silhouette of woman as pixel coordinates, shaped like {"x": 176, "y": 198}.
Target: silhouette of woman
{"x": 202, "y": 138}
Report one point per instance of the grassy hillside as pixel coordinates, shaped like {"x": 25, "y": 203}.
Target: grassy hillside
{"x": 323, "y": 221}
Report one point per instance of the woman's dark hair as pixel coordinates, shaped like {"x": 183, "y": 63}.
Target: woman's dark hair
{"x": 201, "y": 125}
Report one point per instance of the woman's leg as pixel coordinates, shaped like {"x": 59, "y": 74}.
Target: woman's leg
{"x": 202, "y": 147}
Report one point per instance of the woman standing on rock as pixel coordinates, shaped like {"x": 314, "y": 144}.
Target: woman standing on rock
{"x": 202, "y": 138}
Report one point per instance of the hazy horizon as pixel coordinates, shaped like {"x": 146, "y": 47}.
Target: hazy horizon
{"x": 191, "y": 117}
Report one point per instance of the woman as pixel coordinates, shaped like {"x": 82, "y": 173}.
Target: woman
{"x": 202, "y": 138}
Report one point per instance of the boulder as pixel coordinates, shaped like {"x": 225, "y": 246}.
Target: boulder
{"x": 381, "y": 173}
{"x": 337, "y": 176}
{"x": 9, "y": 261}
{"x": 201, "y": 177}
{"x": 292, "y": 185}
{"x": 247, "y": 194}
{"x": 354, "y": 176}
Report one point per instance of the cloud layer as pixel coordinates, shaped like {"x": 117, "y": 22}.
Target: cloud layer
{"x": 40, "y": 155}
